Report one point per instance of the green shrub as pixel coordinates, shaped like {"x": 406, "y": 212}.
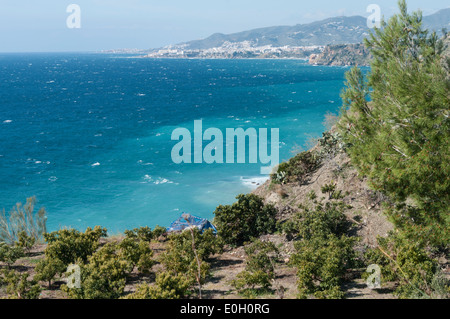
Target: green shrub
{"x": 18, "y": 286}
{"x": 137, "y": 253}
{"x": 331, "y": 144}
{"x": 426, "y": 227}
{"x": 146, "y": 233}
{"x": 103, "y": 277}
{"x": 259, "y": 270}
{"x": 318, "y": 220}
{"x": 48, "y": 268}
{"x": 246, "y": 219}
{"x": 10, "y": 254}
{"x": 324, "y": 251}
{"x": 159, "y": 231}
{"x": 180, "y": 257}
{"x": 296, "y": 170}
{"x": 70, "y": 245}
{"x": 321, "y": 265}
{"x": 252, "y": 284}
{"x": 142, "y": 233}
{"x": 25, "y": 241}
{"x": 166, "y": 286}
{"x": 408, "y": 264}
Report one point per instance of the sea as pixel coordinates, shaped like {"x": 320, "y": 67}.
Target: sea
{"x": 89, "y": 135}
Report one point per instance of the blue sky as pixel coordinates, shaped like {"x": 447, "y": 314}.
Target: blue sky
{"x": 40, "y": 25}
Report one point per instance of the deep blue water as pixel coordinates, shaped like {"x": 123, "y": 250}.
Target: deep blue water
{"x": 90, "y": 135}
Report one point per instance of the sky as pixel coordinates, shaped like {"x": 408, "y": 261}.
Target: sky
{"x": 40, "y": 25}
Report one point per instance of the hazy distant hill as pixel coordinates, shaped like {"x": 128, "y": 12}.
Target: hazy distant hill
{"x": 339, "y": 30}
{"x": 438, "y": 21}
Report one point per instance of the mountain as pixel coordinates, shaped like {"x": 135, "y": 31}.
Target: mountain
{"x": 330, "y": 31}
{"x": 338, "y": 30}
{"x": 438, "y": 21}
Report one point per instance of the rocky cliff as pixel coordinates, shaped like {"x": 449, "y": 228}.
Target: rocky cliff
{"x": 342, "y": 55}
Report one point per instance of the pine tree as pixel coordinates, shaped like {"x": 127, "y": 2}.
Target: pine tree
{"x": 396, "y": 121}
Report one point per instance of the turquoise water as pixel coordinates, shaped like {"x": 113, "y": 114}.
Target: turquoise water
{"x": 90, "y": 135}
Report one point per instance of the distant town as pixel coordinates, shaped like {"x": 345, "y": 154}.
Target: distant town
{"x": 228, "y": 50}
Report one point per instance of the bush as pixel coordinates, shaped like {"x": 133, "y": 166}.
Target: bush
{"x": 331, "y": 144}
{"x": 296, "y": 170}
{"x": 180, "y": 257}
{"x": 23, "y": 219}
{"x": 318, "y": 221}
{"x": 25, "y": 241}
{"x": 18, "y": 286}
{"x": 10, "y": 254}
{"x": 70, "y": 245}
{"x": 246, "y": 219}
{"x": 146, "y": 233}
{"x": 166, "y": 286}
{"x": 159, "y": 231}
{"x": 321, "y": 265}
{"x": 259, "y": 270}
{"x": 426, "y": 227}
{"x": 407, "y": 263}
{"x": 324, "y": 251}
{"x": 137, "y": 253}
{"x": 48, "y": 268}
{"x": 103, "y": 277}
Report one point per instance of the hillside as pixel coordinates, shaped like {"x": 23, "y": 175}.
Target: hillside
{"x": 342, "y": 55}
{"x": 338, "y": 30}
{"x": 333, "y": 30}
{"x": 365, "y": 214}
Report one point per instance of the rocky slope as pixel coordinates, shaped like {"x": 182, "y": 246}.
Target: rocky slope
{"x": 342, "y": 55}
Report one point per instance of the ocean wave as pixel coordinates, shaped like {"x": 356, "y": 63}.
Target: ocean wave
{"x": 253, "y": 182}
{"x": 158, "y": 180}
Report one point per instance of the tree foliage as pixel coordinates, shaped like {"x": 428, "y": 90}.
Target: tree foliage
{"x": 247, "y": 218}
{"x": 103, "y": 276}
{"x": 296, "y": 170}
{"x": 180, "y": 258}
{"x": 167, "y": 286}
{"x": 71, "y": 245}
{"x": 259, "y": 272}
{"x": 396, "y": 120}
{"x": 146, "y": 233}
{"x": 18, "y": 286}
{"x": 10, "y": 254}
{"x": 409, "y": 264}
{"x": 48, "y": 268}
{"x": 324, "y": 250}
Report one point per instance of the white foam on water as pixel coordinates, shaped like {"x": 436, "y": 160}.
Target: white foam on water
{"x": 254, "y": 182}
